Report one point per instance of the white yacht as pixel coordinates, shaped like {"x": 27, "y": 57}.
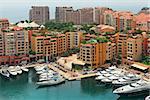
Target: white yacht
{"x": 110, "y": 79}
{"x": 5, "y": 73}
{"x": 18, "y": 69}
{"x": 12, "y": 70}
{"x": 125, "y": 80}
{"x": 100, "y": 77}
{"x": 52, "y": 81}
{"x": 40, "y": 68}
{"x": 24, "y": 69}
{"x": 134, "y": 88}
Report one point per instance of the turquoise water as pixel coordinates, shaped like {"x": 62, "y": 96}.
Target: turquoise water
{"x": 23, "y": 88}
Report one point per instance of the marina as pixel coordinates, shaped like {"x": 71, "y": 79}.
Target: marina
{"x": 24, "y": 88}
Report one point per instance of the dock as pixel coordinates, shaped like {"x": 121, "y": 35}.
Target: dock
{"x": 70, "y": 75}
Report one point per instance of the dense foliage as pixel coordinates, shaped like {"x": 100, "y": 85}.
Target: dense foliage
{"x": 60, "y": 27}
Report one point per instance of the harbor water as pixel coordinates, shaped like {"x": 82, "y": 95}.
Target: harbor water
{"x": 23, "y": 87}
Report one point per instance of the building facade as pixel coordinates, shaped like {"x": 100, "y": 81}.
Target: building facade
{"x": 39, "y": 14}
{"x": 14, "y": 46}
{"x": 93, "y": 54}
{"x": 4, "y": 23}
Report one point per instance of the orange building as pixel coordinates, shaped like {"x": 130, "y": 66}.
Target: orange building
{"x": 41, "y": 45}
{"x": 93, "y": 53}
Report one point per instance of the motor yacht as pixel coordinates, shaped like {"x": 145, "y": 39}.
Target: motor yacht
{"x": 110, "y": 79}
{"x": 50, "y": 82}
{"x": 125, "y": 80}
{"x": 138, "y": 87}
{"x": 12, "y": 70}
{"x": 24, "y": 69}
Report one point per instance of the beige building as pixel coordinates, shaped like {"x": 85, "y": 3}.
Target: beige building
{"x": 73, "y": 16}
{"x": 98, "y": 14}
{"x": 61, "y": 13}
{"x": 16, "y": 42}
{"x": 134, "y": 48}
{"x": 121, "y": 45}
{"x": 86, "y": 16}
{"x": 73, "y": 39}
{"x": 39, "y": 14}
{"x": 2, "y": 51}
{"x": 110, "y": 51}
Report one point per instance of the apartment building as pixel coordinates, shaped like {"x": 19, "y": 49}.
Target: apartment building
{"x": 73, "y": 16}
{"x": 61, "y": 43}
{"x": 61, "y": 15}
{"x": 73, "y": 39}
{"x": 86, "y": 16}
{"x": 93, "y": 53}
{"x": 39, "y": 14}
{"x": 110, "y": 51}
{"x": 41, "y": 45}
{"x": 98, "y": 14}
{"x": 121, "y": 42}
{"x": 14, "y": 46}
{"x": 4, "y": 23}
{"x": 2, "y": 51}
{"x": 16, "y": 42}
{"x": 108, "y": 17}
{"x": 134, "y": 48}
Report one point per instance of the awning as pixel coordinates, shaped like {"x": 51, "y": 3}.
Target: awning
{"x": 142, "y": 67}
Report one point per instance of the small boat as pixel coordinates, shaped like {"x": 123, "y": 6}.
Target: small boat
{"x": 18, "y": 69}
{"x": 12, "y": 70}
{"x": 125, "y": 80}
{"x": 5, "y": 73}
{"x": 24, "y": 69}
{"x": 40, "y": 68}
{"x": 51, "y": 82}
{"x": 100, "y": 77}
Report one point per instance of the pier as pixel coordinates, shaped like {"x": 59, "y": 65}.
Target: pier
{"x": 70, "y": 75}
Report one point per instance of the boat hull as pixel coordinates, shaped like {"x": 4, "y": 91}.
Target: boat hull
{"x": 47, "y": 84}
{"x": 141, "y": 92}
